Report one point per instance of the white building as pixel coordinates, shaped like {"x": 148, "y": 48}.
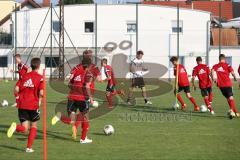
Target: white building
{"x": 157, "y": 32}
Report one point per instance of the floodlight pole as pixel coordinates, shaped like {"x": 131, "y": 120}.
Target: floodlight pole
{"x": 96, "y": 33}
{"x": 15, "y": 42}
{"x": 220, "y": 29}
{"x": 136, "y": 27}
{"x": 51, "y": 42}
{"x": 178, "y": 30}
{"x": 61, "y": 40}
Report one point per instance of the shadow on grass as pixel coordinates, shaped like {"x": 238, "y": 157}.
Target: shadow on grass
{"x": 163, "y": 109}
{"x": 11, "y": 147}
{"x": 98, "y": 134}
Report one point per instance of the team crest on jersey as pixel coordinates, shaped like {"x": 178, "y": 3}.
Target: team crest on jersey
{"x": 78, "y": 78}
{"x": 220, "y": 69}
{"x": 28, "y": 83}
{"x": 202, "y": 71}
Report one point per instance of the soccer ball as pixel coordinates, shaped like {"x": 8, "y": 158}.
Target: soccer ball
{"x": 4, "y": 103}
{"x": 175, "y": 106}
{"x": 95, "y": 104}
{"x": 231, "y": 114}
{"x": 108, "y": 129}
{"x": 203, "y": 108}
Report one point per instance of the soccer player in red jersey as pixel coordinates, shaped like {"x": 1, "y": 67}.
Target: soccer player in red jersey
{"x": 30, "y": 90}
{"x": 220, "y": 75}
{"x": 202, "y": 72}
{"x": 80, "y": 96}
{"x": 110, "y": 89}
{"x": 183, "y": 83}
{"x": 22, "y": 68}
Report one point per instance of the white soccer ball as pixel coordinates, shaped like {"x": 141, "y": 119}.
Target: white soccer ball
{"x": 108, "y": 129}
{"x": 4, "y": 103}
{"x": 203, "y": 108}
{"x": 175, "y": 106}
{"x": 231, "y": 114}
{"x": 95, "y": 104}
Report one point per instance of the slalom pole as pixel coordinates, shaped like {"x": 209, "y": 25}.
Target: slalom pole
{"x": 177, "y": 68}
{"x": 44, "y": 108}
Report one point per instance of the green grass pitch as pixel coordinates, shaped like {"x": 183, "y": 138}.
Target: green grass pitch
{"x": 141, "y": 132}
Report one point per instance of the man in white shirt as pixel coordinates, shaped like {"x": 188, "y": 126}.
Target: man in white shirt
{"x": 137, "y": 69}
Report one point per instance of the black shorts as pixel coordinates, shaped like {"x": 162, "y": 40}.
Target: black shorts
{"x": 110, "y": 88}
{"x": 186, "y": 89}
{"x": 138, "y": 82}
{"x": 73, "y": 106}
{"x": 28, "y": 115}
{"x": 227, "y": 91}
{"x": 206, "y": 91}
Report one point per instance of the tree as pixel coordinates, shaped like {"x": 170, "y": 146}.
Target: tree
{"x": 78, "y": 1}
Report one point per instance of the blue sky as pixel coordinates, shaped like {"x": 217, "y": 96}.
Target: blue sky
{"x": 40, "y": 1}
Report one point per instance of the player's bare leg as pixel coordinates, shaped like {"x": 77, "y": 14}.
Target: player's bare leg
{"x": 130, "y": 96}
{"x": 73, "y": 118}
{"x": 196, "y": 108}
{"x": 144, "y": 94}
{"x": 31, "y": 137}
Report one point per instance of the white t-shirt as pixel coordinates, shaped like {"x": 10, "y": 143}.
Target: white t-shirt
{"x": 137, "y": 66}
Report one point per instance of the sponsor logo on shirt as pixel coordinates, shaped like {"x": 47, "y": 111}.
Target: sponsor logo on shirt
{"x": 78, "y": 78}
{"x": 202, "y": 71}
{"x": 220, "y": 69}
{"x": 28, "y": 83}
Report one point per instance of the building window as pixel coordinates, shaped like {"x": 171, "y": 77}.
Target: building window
{"x": 51, "y": 62}
{"x": 229, "y": 60}
{"x": 131, "y": 27}
{"x": 89, "y": 27}
{"x": 175, "y": 28}
{"x": 4, "y": 61}
{"x": 56, "y": 26}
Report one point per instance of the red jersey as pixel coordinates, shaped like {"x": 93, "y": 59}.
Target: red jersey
{"x": 29, "y": 87}
{"x": 223, "y": 70}
{"x": 110, "y": 75}
{"x": 77, "y": 84}
{"x": 182, "y": 76}
{"x": 22, "y": 69}
{"x": 202, "y": 71}
{"x": 93, "y": 69}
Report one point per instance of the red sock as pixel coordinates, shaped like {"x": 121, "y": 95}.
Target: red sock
{"x": 109, "y": 99}
{"x": 206, "y": 100}
{"x": 232, "y": 105}
{"x": 20, "y": 128}
{"x": 193, "y": 102}
{"x": 179, "y": 97}
{"x": 208, "y": 104}
{"x": 31, "y": 137}
{"x": 85, "y": 127}
{"x": 66, "y": 120}
{"x": 210, "y": 97}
